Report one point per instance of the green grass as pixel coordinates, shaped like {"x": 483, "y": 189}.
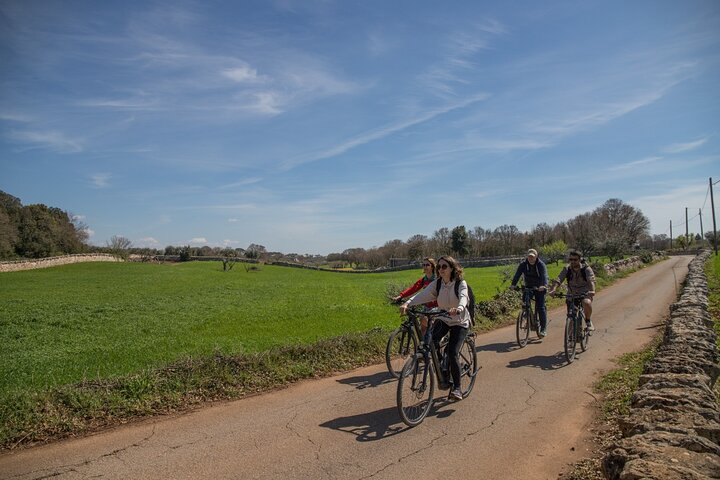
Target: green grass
{"x": 100, "y": 320}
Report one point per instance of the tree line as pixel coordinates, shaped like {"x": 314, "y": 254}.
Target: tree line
{"x": 612, "y": 229}
{"x": 37, "y": 231}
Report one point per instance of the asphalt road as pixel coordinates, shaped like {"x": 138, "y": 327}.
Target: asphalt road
{"x": 527, "y": 417}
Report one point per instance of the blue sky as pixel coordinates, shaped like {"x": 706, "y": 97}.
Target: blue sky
{"x": 316, "y": 126}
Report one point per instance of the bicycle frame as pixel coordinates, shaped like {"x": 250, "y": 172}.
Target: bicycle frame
{"x": 576, "y": 315}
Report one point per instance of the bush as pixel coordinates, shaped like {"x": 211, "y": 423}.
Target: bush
{"x": 502, "y": 303}
{"x": 646, "y": 256}
{"x": 598, "y": 269}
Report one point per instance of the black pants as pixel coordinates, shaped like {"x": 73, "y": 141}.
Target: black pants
{"x": 457, "y": 337}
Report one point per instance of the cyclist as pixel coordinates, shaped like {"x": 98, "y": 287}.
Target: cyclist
{"x": 580, "y": 281}
{"x": 534, "y": 274}
{"x": 457, "y": 323}
{"x": 428, "y": 277}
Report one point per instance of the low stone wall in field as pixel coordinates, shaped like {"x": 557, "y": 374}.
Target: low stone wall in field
{"x": 673, "y": 429}
{"x": 17, "y": 265}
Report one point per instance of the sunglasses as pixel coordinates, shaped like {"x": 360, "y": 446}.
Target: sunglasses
{"x": 426, "y": 265}
{"x": 443, "y": 266}
{"x": 574, "y": 259}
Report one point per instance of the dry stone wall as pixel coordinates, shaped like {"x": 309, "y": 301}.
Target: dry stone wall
{"x": 632, "y": 262}
{"x": 17, "y": 265}
{"x": 673, "y": 429}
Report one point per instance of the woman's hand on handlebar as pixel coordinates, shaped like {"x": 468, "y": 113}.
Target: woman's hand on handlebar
{"x": 403, "y": 309}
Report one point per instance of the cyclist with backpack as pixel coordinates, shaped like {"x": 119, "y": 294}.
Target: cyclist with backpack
{"x": 535, "y": 275}
{"x": 580, "y": 281}
{"x": 452, "y": 294}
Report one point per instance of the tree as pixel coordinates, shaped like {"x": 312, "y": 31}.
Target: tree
{"x": 460, "y": 241}
{"x": 119, "y": 245}
{"x": 440, "y": 242}
{"x": 618, "y": 227}
{"x": 8, "y": 235}
{"x": 554, "y": 252}
{"x": 541, "y": 234}
{"x": 416, "y": 247}
{"x": 583, "y": 233}
{"x": 509, "y": 239}
{"x": 255, "y": 251}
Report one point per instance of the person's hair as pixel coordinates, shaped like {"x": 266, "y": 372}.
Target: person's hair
{"x": 574, "y": 253}
{"x": 456, "y": 270}
{"x": 432, "y": 262}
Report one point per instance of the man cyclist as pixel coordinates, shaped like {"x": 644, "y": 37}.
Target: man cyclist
{"x": 580, "y": 281}
{"x": 534, "y": 274}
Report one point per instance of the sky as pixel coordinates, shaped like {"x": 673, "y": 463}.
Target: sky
{"x": 316, "y": 126}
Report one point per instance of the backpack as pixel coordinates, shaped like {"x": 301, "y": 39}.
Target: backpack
{"x": 471, "y": 297}
{"x": 583, "y": 271}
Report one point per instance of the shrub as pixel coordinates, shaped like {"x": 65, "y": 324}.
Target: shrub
{"x": 599, "y": 269}
{"x": 502, "y": 303}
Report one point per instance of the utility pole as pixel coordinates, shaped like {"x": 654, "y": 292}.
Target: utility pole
{"x": 670, "y": 234}
{"x": 702, "y": 234}
{"x": 712, "y": 204}
{"x": 687, "y": 233}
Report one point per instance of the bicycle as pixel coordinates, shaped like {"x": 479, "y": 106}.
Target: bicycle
{"x": 576, "y": 330}
{"x": 402, "y": 342}
{"x": 416, "y": 385}
{"x": 527, "y": 318}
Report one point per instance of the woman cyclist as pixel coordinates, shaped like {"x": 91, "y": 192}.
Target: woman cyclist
{"x": 428, "y": 277}
{"x": 457, "y": 323}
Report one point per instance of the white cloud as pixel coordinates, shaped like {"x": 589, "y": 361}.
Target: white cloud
{"x": 15, "y": 117}
{"x": 51, "y": 140}
{"x": 241, "y": 183}
{"x": 199, "y": 241}
{"x": 636, "y": 163}
{"x": 90, "y": 233}
{"x": 232, "y": 220}
{"x": 230, "y": 243}
{"x": 148, "y": 242}
{"x": 684, "y": 147}
{"x": 382, "y": 132}
{"x": 241, "y": 74}
{"x": 100, "y": 180}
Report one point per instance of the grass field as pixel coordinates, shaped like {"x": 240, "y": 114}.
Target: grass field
{"x": 99, "y": 320}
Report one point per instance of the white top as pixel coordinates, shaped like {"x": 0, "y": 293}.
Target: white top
{"x": 446, "y": 300}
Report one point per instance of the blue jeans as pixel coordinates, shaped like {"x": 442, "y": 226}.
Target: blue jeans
{"x": 457, "y": 337}
{"x": 540, "y": 307}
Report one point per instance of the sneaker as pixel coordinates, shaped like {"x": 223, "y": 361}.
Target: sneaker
{"x": 590, "y": 325}
{"x": 455, "y": 395}
{"x": 543, "y": 333}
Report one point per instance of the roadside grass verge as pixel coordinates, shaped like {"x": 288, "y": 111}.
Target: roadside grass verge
{"x": 83, "y": 407}
{"x": 712, "y": 272}
{"x": 94, "y": 345}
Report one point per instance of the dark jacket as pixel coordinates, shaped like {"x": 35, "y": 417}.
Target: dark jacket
{"x": 534, "y": 275}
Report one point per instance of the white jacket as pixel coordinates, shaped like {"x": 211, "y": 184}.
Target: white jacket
{"x": 446, "y": 300}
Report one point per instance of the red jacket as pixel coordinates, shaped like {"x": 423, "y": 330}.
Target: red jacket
{"x": 416, "y": 287}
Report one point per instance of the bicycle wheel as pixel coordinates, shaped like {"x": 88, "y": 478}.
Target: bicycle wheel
{"x": 468, "y": 366}
{"x": 522, "y": 328}
{"x": 536, "y": 323}
{"x": 401, "y": 344}
{"x": 584, "y": 333}
{"x": 415, "y": 390}
{"x": 570, "y": 339}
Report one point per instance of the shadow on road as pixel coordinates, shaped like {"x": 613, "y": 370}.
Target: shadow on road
{"x": 498, "y": 347}
{"x": 372, "y": 426}
{"x": 544, "y": 362}
{"x": 368, "y": 381}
